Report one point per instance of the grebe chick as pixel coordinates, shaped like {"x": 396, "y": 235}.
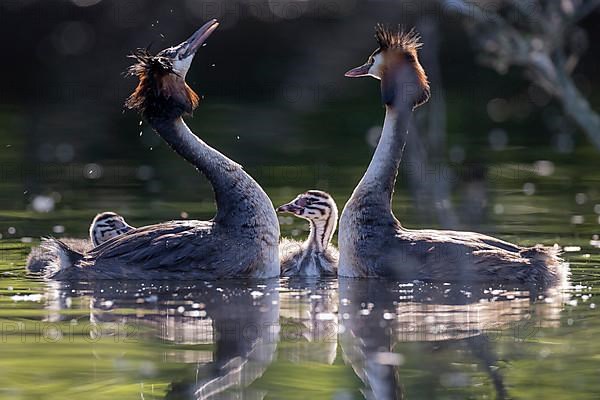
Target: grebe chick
{"x": 104, "y": 227}
{"x": 316, "y": 256}
{"x": 372, "y": 241}
{"x": 240, "y": 241}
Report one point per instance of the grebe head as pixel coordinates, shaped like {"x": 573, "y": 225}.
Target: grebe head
{"x": 106, "y": 226}
{"x": 162, "y": 91}
{"x": 397, "y": 51}
{"x": 314, "y": 205}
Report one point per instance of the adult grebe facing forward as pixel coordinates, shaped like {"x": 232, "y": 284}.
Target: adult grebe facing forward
{"x": 240, "y": 241}
{"x": 372, "y": 242}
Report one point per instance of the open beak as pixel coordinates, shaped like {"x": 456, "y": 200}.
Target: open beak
{"x": 190, "y": 46}
{"x": 289, "y": 207}
{"x": 357, "y": 72}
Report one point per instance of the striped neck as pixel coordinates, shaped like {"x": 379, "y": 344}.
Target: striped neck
{"x": 321, "y": 232}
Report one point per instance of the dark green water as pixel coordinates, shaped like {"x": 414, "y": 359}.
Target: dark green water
{"x": 287, "y": 339}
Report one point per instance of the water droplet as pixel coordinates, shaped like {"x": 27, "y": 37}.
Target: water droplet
{"x": 325, "y": 316}
{"x": 43, "y": 204}
{"x": 580, "y": 198}
{"x": 93, "y": 171}
{"x": 388, "y": 358}
{"x": 577, "y": 219}
{"x": 529, "y": 189}
{"x": 544, "y": 167}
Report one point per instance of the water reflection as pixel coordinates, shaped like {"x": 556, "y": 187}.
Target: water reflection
{"x": 239, "y": 321}
{"x": 400, "y": 339}
{"x": 379, "y": 317}
{"x": 310, "y": 321}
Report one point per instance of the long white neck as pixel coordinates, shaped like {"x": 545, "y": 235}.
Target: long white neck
{"x": 377, "y": 185}
{"x": 321, "y": 233}
{"x": 239, "y": 198}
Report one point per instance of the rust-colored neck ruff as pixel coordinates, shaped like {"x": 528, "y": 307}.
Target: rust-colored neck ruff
{"x": 399, "y": 49}
{"x": 161, "y": 93}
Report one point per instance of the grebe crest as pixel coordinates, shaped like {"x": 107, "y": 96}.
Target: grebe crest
{"x": 162, "y": 91}
{"x": 397, "y": 49}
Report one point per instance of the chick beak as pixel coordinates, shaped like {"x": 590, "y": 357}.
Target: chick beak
{"x": 357, "y": 72}
{"x": 193, "y": 43}
{"x": 289, "y": 207}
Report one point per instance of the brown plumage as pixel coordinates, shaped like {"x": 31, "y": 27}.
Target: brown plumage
{"x": 396, "y": 49}
{"x": 387, "y": 38}
{"x": 160, "y": 89}
{"x": 402, "y": 47}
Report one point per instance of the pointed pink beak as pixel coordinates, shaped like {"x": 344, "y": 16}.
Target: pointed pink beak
{"x": 357, "y": 72}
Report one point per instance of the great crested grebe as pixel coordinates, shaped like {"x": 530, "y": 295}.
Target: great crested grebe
{"x": 372, "y": 241}
{"x": 240, "y": 241}
{"x": 316, "y": 256}
{"x": 104, "y": 227}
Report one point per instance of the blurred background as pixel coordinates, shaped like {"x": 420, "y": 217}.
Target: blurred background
{"x": 507, "y": 144}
